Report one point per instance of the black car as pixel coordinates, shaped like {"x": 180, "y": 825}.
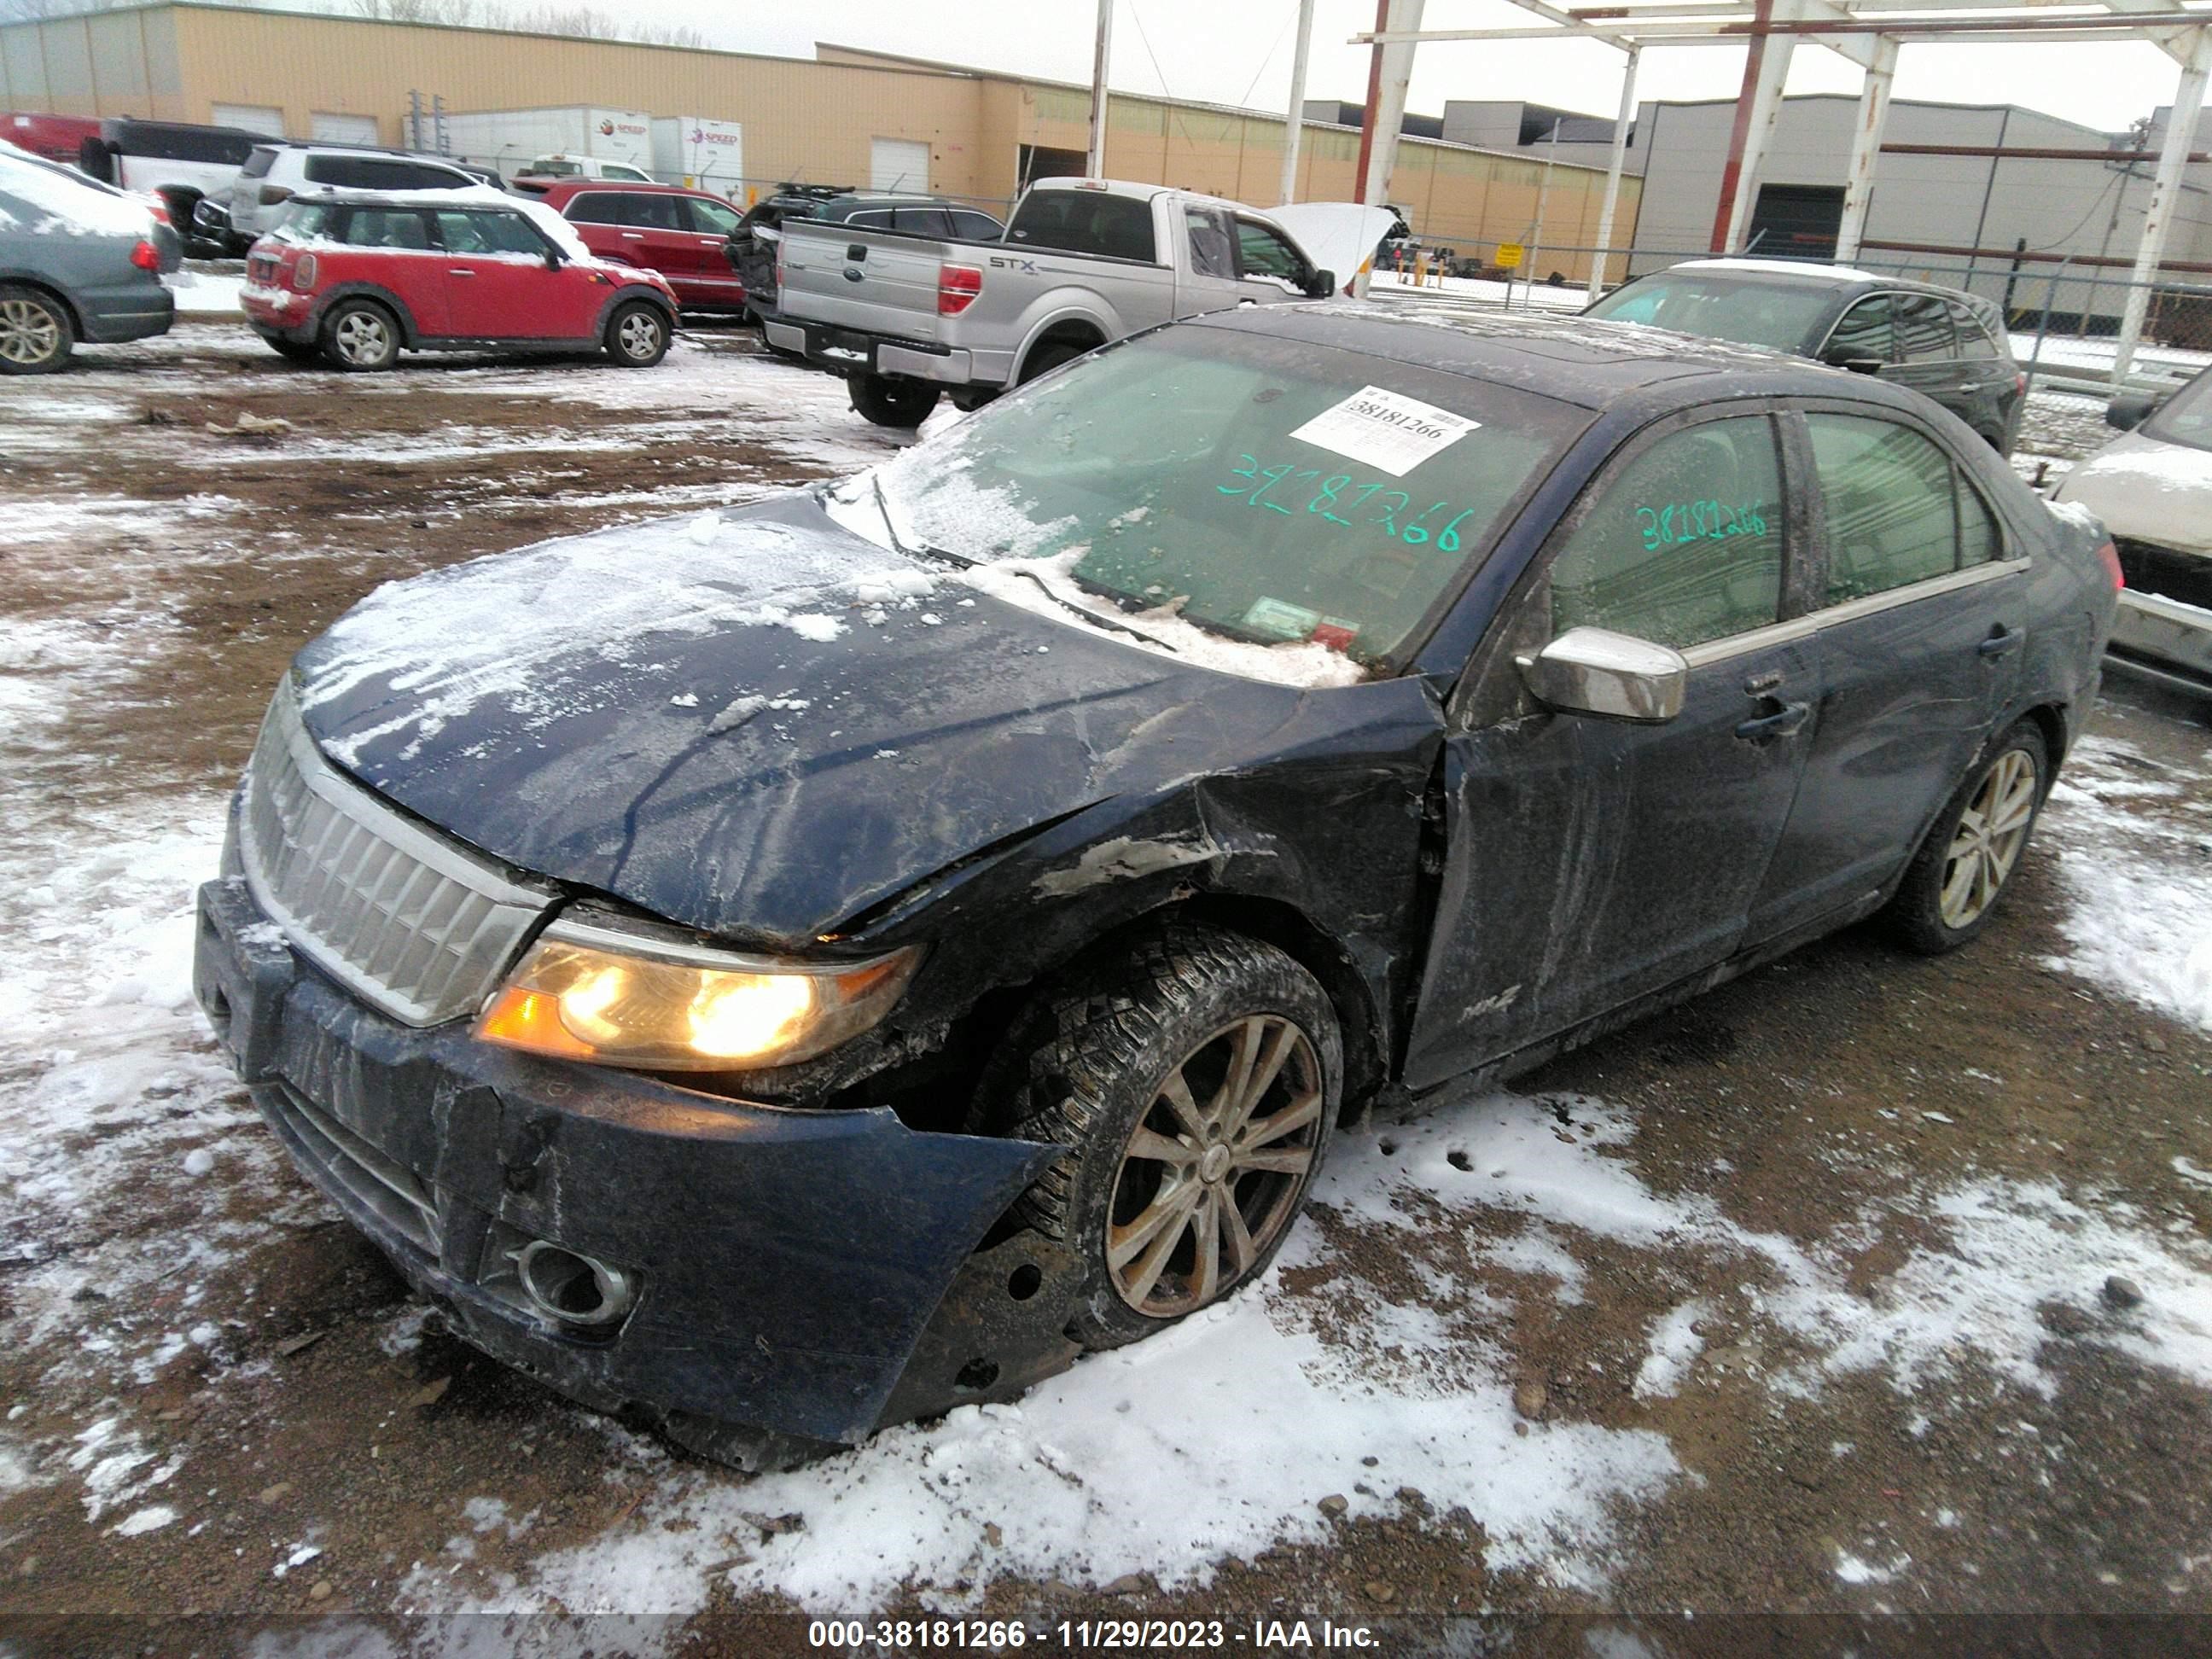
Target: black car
{"x": 751, "y": 247}
{"x": 800, "y": 977}
{"x": 1940, "y": 341}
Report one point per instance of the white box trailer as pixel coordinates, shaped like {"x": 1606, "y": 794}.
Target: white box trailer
{"x": 698, "y": 151}
{"x": 511, "y": 139}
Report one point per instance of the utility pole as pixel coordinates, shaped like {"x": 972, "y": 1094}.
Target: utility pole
{"x": 1094, "y": 164}
{"x": 1294, "y": 123}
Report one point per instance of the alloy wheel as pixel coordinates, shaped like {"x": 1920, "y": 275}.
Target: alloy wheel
{"x": 30, "y": 333}
{"x": 362, "y": 336}
{"x": 639, "y": 335}
{"x": 1214, "y": 1168}
{"x": 1986, "y": 844}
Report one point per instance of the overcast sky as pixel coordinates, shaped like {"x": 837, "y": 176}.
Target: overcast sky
{"x": 1238, "y": 51}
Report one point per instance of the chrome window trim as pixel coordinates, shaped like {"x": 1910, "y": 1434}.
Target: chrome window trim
{"x": 1813, "y": 622}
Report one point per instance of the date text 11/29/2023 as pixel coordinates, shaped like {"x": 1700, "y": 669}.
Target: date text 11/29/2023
{"x": 1089, "y": 1635}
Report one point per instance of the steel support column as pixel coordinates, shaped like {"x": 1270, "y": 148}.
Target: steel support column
{"x": 2164, "y": 192}
{"x": 1866, "y": 148}
{"x": 1614, "y": 165}
{"x": 1386, "y": 105}
{"x": 1294, "y": 125}
{"x": 1766, "y": 66}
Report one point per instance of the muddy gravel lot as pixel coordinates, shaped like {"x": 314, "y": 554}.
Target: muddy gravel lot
{"x": 1867, "y": 1284}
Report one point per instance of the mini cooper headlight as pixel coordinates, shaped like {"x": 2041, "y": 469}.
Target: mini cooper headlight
{"x": 617, "y": 998}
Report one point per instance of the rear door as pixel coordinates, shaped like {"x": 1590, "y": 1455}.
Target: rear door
{"x": 1590, "y": 862}
{"x": 1988, "y": 377}
{"x": 653, "y": 231}
{"x": 1921, "y": 613}
{"x": 1928, "y": 353}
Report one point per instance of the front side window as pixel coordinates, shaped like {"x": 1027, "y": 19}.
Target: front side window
{"x": 710, "y": 218}
{"x": 1862, "y": 333}
{"x": 1683, "y": 543}
{"x": 1086, "y": 221}
{"x": 1890, "y": 503}
{"x": 487, "y": 233}
{"x": 1923, "y": 329}
{"x": 1750, "y": 310}
{"x": 1264, "y": 491}
{"x": 1262, "y": 252}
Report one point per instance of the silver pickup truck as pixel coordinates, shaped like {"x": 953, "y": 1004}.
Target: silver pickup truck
{"x": 1083, "y": 261}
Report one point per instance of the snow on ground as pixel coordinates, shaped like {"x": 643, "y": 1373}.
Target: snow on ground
{"x": 2141, "y": 882}
{"x": 204, "y": 293}
{"x": 1539, "y": 296}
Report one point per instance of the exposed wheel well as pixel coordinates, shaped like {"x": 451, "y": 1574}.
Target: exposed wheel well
{"x": 2050, "y": 721}
{"x": 1082, "y": 336}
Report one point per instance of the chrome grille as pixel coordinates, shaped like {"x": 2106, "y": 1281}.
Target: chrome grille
{"x": 416, "y": 924}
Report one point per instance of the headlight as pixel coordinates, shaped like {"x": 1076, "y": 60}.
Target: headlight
{"x": 619, "y": 998}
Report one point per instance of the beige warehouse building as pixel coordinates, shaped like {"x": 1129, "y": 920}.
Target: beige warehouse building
{"x": 847, "y": 116}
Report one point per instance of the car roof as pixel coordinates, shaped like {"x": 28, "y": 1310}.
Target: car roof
{"x": 568, "y": 187}
{"x": 1840, "y": 277}
{"x": 444, "y": 200}
{"x": 1591, "y": 363}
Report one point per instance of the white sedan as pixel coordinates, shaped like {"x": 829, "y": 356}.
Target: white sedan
{"x": 2153, "y": 488}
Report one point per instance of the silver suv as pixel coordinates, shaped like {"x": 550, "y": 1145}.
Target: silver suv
{"x": 274, "y": 174}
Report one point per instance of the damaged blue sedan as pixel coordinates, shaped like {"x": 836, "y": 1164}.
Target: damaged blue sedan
{"x": 802, "y": 968}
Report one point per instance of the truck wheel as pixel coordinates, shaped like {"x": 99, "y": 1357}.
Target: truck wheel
{"x": 36, "y": 336}
{"x": 892, "y": 403}
{"x": 1197, "y": 1075}
{"x": 360, "y": 335}
{"x": 1047, "y": 358}
{"x": 1952, "y": 886}
{"x": 637, "y": 335}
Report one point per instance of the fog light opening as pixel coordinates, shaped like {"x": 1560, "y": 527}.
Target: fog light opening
{"x": 1024, "y": 1281}
{"x": 573, "y": 1288}
{"x": 976, "y": 1376}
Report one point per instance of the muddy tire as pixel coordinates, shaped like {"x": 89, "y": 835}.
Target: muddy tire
{"x": 361, "y": 336}
{"x": 1197, "y": 1075}
{"x": 36, "y": 334}
{"x": 892, "y": 403}
{"x": 292, "y": 351}
{"x": 637, "y": 335}
{"x": 1951, "y": 887}
{"x": 1047, "y": 358}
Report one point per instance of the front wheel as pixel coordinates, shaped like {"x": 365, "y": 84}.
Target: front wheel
{"x": 637, "y": 336}
{"x": 892, "y": 403}
{"x": 1197, "y": 1075}
{"x": 361, "y": 336}
{"x": 1951, "y": 888}
{"x": 36, "y": 336}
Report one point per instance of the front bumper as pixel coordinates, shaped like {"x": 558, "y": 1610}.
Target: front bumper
{"x": 793, "y": 1265}
{"x": 2163, "y": 628}
{"x": 848, "y": 351}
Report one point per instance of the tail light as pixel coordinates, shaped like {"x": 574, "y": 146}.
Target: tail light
{"x": 2109, "y": 556}
{"x": 2019, "y": 382}
{"x": 272, "y": 194}
{"x": 303, "y": 274}
{"x": 956, "y": 289}
{"x": 145, "y": 258}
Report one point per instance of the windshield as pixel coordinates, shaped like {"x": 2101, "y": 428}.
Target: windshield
{"x": 1204, "y": 484}
{"x": 1748, "y": 310}
{"x": 2187, "y": 416}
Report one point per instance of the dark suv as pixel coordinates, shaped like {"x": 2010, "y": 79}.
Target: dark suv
{"x": 751, "y": 247}
{"x": 1948, "y": 344}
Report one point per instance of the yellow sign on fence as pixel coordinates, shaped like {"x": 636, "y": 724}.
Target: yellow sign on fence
{"x": 1508, "y": 255}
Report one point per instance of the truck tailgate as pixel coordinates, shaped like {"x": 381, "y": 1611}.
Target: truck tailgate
{"x": 871, "y": 281}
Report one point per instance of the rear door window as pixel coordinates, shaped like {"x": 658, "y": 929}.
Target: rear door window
{"x": 921, "y": 221}
{"x": 1891, "y": 499}
{"x": 1086, "y": 221}
{"x": 1683, "y": 543}
{"x": 1923, "y": 329}
{"x": 649, "y": 211}
{"x": 976, "y": 227}
{"x": 1974, "y": 339}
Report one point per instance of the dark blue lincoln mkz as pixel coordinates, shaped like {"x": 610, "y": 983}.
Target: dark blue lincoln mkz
{"x": 798, "y": 969}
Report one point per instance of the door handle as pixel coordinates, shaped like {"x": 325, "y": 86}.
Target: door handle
{"x": 1764, "y": 728}
{"x": 2001, "y": 641}
{"x": 633, "y": 236}
{"x": 460, "y": 270}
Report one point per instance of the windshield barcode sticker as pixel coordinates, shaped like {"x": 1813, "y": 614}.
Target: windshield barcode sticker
{"x": 1385, "y": 429}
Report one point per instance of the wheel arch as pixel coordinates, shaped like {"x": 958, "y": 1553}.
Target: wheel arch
{"x": 1079, "y": 328}
{"x": 326, "y": 303}
{"x": 58, "y": 295}
{"x": 632, "y": 293}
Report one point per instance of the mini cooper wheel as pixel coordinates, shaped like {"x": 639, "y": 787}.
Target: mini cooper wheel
{"x": 1197, "y": 1078}
{"x": 1951, "y": 887}
{"x": 361, "y": 336}
{"x": 36, "y": 336}
{"x": 637, "y": 336}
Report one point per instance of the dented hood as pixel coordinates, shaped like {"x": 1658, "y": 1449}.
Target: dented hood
{"x": 755, "y": 723}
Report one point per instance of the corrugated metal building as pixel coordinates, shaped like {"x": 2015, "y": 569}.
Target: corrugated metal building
{"x": 834, "y": 119}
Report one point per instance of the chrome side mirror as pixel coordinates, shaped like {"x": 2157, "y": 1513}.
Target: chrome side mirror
{"x": 1595, "y": 670}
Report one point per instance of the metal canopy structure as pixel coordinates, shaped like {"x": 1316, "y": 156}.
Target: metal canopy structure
{"x": 1870, "y": 34}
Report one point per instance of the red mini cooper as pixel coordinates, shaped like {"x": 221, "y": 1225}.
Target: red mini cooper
{"x": 355, "y": 276}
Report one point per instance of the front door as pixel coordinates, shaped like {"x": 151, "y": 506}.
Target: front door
{"x": 1589, "y": 862}
{"x": 1922, "y": 613}
{"x": 499, "y": 286}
